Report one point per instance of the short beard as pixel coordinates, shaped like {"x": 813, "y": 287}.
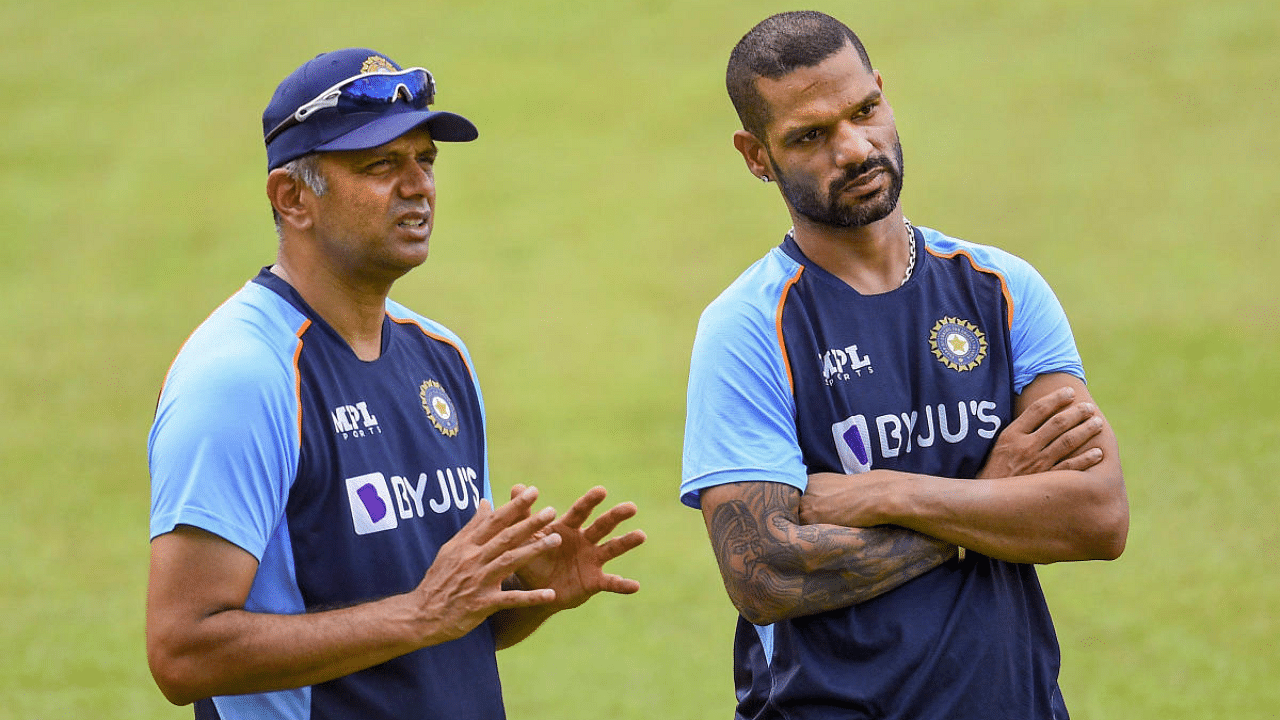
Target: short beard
{"x": 805, "y": 199}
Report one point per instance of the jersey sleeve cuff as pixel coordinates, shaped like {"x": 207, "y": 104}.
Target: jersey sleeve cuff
{"x": 691, "y": 489}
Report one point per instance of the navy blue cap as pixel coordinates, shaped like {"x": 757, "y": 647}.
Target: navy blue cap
{"x": 331, "y": 129}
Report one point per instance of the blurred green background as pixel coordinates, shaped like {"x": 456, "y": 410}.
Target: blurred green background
{"x": 1128, "y": 148}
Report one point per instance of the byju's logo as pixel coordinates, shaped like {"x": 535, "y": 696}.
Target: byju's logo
{"x": 859, "y": 438}
{"x": 851, "y": 439}
{"x": 380, "y": 503}
{"x": 370, "y": 501}
{"x": 354, "y": 421}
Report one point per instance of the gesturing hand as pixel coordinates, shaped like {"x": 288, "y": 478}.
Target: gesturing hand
{"x": 1046, "y": 436}
{"x": 574, "y": 568}
{"x": 463, "y": 586}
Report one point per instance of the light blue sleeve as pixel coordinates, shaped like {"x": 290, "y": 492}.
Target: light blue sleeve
{"x": 740, "y": 421}
{"x": 1041, "y": 335}
{"x": 223, "y": 449}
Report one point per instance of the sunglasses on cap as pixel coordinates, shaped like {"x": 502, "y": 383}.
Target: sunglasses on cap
{"x": 365, "y": 92}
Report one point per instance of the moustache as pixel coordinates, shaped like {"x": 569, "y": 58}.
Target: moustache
{"x": 866, "y": 166}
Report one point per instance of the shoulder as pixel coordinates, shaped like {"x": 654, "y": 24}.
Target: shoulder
{"x": 250, "y": 337}
{"x": 983, "y": 257}
{"x": 431, "y": 328}
{"x": 753, "y": 298}
{"x": 1017, "y": 275}
{"x": 417, "y": 323}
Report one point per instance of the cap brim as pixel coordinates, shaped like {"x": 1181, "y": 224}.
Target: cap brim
{"x": 443, "y": 126}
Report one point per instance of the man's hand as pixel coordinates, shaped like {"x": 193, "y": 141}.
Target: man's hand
{"x": 202, "y": 642}
{"x": 463, "y": 586}
{"x": 574, "y": 568}
{"x": 1048, "y": 435}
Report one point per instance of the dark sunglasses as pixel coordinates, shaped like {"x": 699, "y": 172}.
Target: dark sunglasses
{"x": 365, "y": 92}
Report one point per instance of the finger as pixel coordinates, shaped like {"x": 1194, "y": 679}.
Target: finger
{"x": 620, "y": 585}
{"x": 507, "y": 599}
{"x": 1069, "y": 442}
{"x": 517, "y": 491}
{"x": 606, "y": 523}
{"x": 522, "y": 533}
{"x": 483, "y": 510}
{"x": 622, "y": 544}
{"x": 512, "y": 559}
{"x": 1041, "y": 410}
{"x": 1067, "y": 418}
{"x": 1083, "y": 461}
{"x": 582, "y": 507}
{"x": 509, "y": 513}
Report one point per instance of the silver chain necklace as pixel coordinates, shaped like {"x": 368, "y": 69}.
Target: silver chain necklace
{"x": 911, "y": 245}
{"x": 911, "y": 259}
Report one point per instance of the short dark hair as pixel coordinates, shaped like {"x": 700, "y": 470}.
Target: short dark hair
{"x": 777, "y": 46}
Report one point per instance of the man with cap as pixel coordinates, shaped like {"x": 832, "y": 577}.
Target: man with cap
{"x": 324, "y": 539}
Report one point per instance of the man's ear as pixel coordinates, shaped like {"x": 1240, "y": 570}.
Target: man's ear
{"x": 754, "y": 153}
{"x": 287, "y": 195}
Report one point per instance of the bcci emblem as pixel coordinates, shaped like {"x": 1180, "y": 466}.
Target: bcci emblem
{"x": 439, "y": 408}
{"x": 376, "y": 64}
{"x": 958, "y": 344}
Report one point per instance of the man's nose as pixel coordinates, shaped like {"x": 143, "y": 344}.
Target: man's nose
{"x": 851, "y": 146}
{"x": 417, "y": 180}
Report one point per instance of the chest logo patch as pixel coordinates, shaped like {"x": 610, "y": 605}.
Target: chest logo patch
{"x": 958, "y": 344}
{"x": 842, "y": 363}
{"x": 439, "y": 408}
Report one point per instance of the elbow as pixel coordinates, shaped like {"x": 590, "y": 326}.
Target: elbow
{"x": 1111, "y": 523}
{"x": 759, "y": 615}
{"x": 1095, "y": 527}
{"x": 172, "y": 675}
{"x": 755, "y": 606}
{"x": 1111, "y": 541}
{"x": 174, "y": 688}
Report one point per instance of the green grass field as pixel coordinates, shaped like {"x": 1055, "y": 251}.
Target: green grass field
{"x": 1128, "y": 148}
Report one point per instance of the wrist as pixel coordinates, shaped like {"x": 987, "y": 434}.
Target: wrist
{"x": 899, "y": 498}
{"x": 418, "y": 619}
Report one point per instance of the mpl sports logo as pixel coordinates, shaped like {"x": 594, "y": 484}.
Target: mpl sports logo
{"x": 843, "y": 363}
{"x": 354, "y": 421}
{"x": 378, "y": 503}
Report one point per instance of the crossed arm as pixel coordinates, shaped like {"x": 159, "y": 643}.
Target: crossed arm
{"x": 202, "y": 642}
{"x": 775, "y": 568}
{"x": 1052, "y": 490}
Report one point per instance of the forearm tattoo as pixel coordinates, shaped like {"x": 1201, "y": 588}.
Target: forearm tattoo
{"x": 775, "y": 568}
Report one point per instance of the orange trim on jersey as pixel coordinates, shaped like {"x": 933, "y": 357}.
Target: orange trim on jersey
{"x": 297, "y": 375}
{"x": 1004, "y": 286}
{"x": 435, "y": 336}
{"x": 782, "y": 345}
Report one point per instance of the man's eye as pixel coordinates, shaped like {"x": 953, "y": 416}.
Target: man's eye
{"x": 809, "y": 136}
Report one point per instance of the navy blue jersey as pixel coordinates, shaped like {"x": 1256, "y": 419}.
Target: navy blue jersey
{"x": 794, "y": 372}
{"x": 342, "y": 477}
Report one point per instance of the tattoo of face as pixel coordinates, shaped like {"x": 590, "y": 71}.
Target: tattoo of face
{"x": 775, "y": 568}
